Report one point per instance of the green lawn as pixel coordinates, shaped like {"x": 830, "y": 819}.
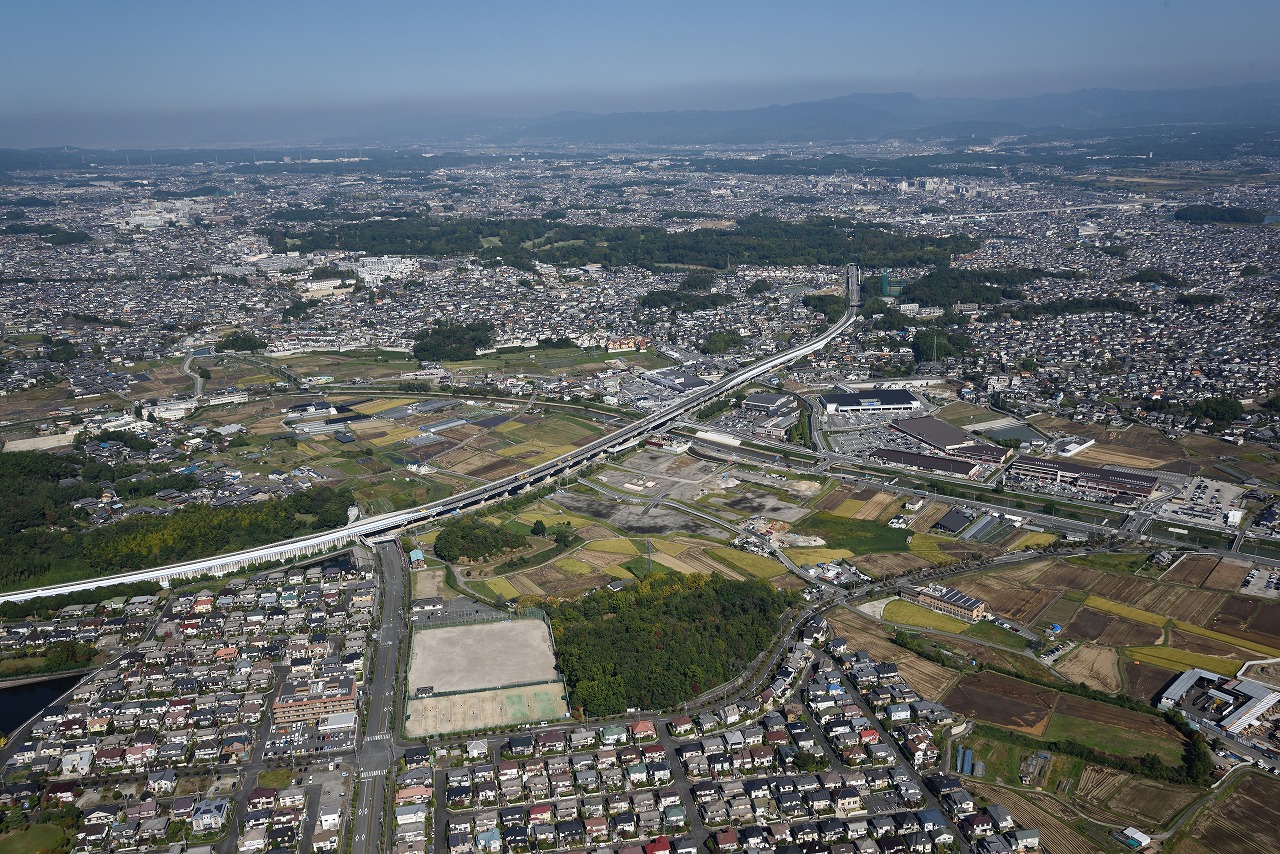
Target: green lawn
{"x": 35, "y": 838}
{"x": 985, "y": 630}
{"x": 1109, "y": 739}
{"x": 856, "y": 535}
{"x": 911, "y": 614}
{"x": 279, "y": 778}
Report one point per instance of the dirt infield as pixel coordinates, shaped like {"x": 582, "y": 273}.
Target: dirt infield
{"x": 481, "y": 656}
{"x": 485, "y": 709}
{"x": 1000, "y": 700}
{"x": 1095, "y": 666}
{"x": 1107, "y": 630}
{"x": 1245, "y": 821}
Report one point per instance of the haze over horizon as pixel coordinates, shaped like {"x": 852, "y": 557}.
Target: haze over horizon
{"x": 143, "y": 73}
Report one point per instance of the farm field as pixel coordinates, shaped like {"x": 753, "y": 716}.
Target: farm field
{"x": 1096, "y": 666}
{"x": 755, "y": 565}
{"x": 1002, "y": 701}
{"x": 1245, "y": 821}
{"x": 1111, "y": 729}
{"x": 911, "y": 614}
{"x": 1056, "y": 836}
{"x": 857, "y": 535}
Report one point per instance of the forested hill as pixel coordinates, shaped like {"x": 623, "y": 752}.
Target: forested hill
{"x": 43, "y": 540}
{"x": 756, "y": 240}
{"x": 662, "y": 641}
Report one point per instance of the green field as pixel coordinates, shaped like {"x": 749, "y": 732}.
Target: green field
{"x": 929, "y": 547}
{"x": 911, "y": 614}
{"x": 1181, "y": 659}
{"x": 752, "y": 564}
{"x": 985, "y": 630}
{"x": 1113, "y": 562}
{"x": 856, "y": 535}
{"x": 1110, "y": 739}
{"x": 38, "y": 837}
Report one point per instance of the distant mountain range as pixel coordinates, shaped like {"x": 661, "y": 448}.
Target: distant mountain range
{"x": 870, "y": 116}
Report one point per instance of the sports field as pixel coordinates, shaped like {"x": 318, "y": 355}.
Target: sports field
{"x": 481, "y": 656}
{"x": 484, "y": 709}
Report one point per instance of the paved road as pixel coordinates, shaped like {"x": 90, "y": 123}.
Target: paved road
{"x": 186, "y": 369}
{"x": 375, "y": 756}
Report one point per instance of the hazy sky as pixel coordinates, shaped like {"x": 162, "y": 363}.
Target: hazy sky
{"x": 76, "y": 67}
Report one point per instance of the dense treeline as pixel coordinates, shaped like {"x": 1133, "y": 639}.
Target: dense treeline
{"x": 1072, "y": 305}
{"x": 54, "y": 235}
{"x": 1216, "y": 213}
{"x": 452, "y": 342}
{"x": 721, "y": 342}
{"x": 830, "y": 306}
{"x": 40, "y": 542}
{"x": 1199, "y": 299}
{"x": 46, "y": 606}
{"x": 1152, "y": 276}
{"x": 662, "y": 641}
{"x": 240, "y": 342}
{"x": 945, "y": 285}
{"x": 757, "y": 239}
{"x": 466, "y": 537}
{"x": 682, "y": 301}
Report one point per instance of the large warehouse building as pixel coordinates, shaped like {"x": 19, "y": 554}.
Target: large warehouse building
{"x": 1119, "y": 483}
{"x": 934, "y": 433}
{"x": 876, "y": 400}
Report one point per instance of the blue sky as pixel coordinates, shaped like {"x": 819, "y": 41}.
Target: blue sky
{"x": 69, "y": 58}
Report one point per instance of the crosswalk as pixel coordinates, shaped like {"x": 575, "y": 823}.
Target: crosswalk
{"x": 382, "y": 736}
{"x": 369, "y": 775}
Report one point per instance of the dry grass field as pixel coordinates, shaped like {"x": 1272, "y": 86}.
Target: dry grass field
{"x": 1095, "y": 666}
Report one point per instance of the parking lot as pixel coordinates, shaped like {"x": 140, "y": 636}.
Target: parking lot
{"x": 1205, "y": 503}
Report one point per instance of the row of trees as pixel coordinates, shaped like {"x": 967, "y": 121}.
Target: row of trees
{"x": 662, "y": 641}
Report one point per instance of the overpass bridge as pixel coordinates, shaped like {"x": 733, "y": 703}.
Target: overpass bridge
{"x": 374, "y": 526}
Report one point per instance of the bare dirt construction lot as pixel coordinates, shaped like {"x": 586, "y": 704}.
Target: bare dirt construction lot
{"x": 1000, "y": 700}
{"x": 1246, "y": 821}
{"x": 481, "y": 656}
{"x": 1095, "y": 666}
{"x": 485, "y": 709}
